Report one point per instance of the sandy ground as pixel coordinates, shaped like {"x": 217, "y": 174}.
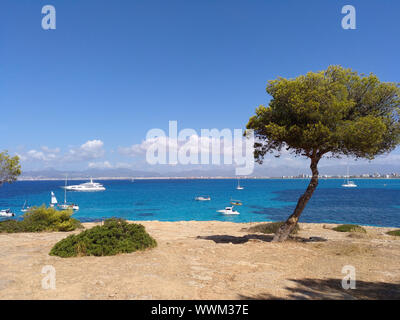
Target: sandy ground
{"x": 208, "y": 260}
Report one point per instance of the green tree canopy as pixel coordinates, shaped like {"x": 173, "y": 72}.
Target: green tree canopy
{"x": 10, "y": 168}
{"x": 336, "y": 112}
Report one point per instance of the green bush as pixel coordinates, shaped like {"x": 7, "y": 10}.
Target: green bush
{"x": 271, "y": 227}
{"x": 41, "y": 219}
{"x": 394, "y": 233}
{"x": 349, "y": 228}
{"x": 11, "y": 226}
{"x": 115, "y": 236}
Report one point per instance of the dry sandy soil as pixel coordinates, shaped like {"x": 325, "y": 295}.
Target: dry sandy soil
{"x": 209, "y": 260}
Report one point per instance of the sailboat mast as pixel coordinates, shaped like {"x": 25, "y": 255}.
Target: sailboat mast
{"x": 65, "y": 190}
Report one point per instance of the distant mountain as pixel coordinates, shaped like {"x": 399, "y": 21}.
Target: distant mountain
{"x": 90, "y": 173}
{"x": 259, "y": 171}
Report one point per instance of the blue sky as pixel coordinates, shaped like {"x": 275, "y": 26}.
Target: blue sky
{"x": 112, "y": 70}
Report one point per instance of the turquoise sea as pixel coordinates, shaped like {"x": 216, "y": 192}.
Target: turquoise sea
{"x": 374, "y": 202}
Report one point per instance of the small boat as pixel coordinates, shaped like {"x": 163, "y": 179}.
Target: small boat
{"x": 86, "y": 187}
{"x": 6, "y": 213}
{"x": 236, "y": 202}
{"x": 348, "y": 183}
{"x": 207, "y": 198}
{"x": 229, "y": 211}
{"x": 25, "y": 208}
{"x": 53, "y": 201}
{"x": 238, "y": 186}
{"x": 65, "y": 205}
{"x": 70, "y": 206}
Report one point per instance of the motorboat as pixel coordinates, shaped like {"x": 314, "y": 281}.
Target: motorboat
{"x": 236, "y": 202}
{"x": 6, "y": 213}
{"x": 207, "y": 198}
{"x": 86, "y": 187}
{"x": 229, "y": 211}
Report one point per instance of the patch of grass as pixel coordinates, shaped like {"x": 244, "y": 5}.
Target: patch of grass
{"x": 394, "y": 233}
{"x": 359, "y": 235}
{"x": 271, "y": 227}
{"x": 349, "y": 228}
{"x": 41, "y": 219}
{"x": 115, "y": 236}
{"x": 353, "y": 249}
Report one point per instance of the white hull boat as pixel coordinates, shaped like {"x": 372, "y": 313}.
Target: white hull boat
{"x": 229, "y": 211}
{"x": 348, "y": 183}
{"x": 68, "y": 207}
{"x": 25, "y": 208}
{"x": 86, "y": 187}
{"x": 202, "y": 198}
{"x": 238, "y": 186}
{"x": 65, "y": 205}
{"x": 6, "y": 213}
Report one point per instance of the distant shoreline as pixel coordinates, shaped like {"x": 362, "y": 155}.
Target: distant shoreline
{"x": 203, "y": 178}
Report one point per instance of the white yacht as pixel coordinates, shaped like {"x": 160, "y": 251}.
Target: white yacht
{"x": 6, "y": 213}
{"x": 229, "y": 210}
{"x": 86, "y": 187}
{"x": 207, "y": 198}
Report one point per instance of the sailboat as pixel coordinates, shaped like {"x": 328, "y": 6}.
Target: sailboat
{"x": 53, "y": 201}
{"x": 238, "y": 186}
{"x": 348, "y": 183}
{"x": 25, "y": 208}
{"x": 65, "y": 205}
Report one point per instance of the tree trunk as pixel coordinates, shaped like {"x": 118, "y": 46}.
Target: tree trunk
{"x": 285, "y": 230}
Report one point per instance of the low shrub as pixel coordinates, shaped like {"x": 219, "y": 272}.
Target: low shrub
{"x": 41, "y": 219}
{"x": 349, "y": 228}
{"x": 11, "y": 226}
{"x": 271, "y": 227}
{"x": 394, "y": 233}
{"x": 115, "y": 236}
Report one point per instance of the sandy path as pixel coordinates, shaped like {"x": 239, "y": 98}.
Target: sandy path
{"x": 226, "y": 262}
